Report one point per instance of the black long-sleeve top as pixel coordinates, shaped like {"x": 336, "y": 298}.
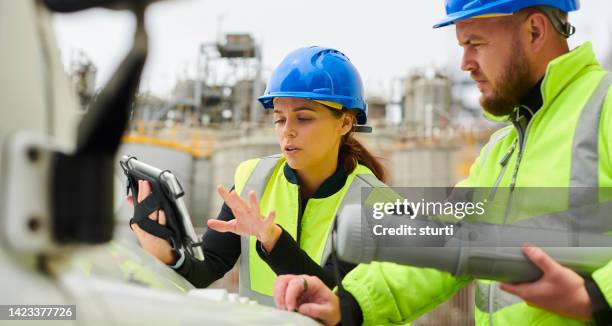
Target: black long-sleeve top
{"x": 221, "y": 250}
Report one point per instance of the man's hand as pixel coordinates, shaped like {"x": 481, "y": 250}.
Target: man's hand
{"x": 309, "y": 296}
{"x": 560, "y": 290}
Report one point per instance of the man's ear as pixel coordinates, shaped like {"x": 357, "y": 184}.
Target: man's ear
{"x": 538, "y": 28}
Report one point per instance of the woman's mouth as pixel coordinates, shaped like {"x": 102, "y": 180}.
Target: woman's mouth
{"x": 290, "y": 149}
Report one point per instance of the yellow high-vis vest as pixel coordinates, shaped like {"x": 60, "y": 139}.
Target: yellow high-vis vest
{"x": 265, "y": 176}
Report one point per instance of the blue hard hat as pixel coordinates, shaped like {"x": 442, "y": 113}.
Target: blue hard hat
{"x": 464, "y": 9}
{"x": 319, "y": 74}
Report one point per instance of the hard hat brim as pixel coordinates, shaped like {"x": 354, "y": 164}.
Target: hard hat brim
{"x": 466, "y": 14}
{"x": 267, "y": 101}
{"x": 501, "y": 7}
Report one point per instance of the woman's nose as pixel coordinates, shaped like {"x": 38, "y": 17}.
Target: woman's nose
{"x": 289, "y": 130}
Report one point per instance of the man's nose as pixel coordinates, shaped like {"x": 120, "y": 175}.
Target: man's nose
{"x": 467, "y": 62}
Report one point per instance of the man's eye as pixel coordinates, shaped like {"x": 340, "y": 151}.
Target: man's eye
{"x": 279, "y": 121}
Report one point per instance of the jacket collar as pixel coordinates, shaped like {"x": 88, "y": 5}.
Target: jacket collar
{"x": 532, "y": 102}
{"x": 330, "y": 186}
{"x": 564, "y": 69}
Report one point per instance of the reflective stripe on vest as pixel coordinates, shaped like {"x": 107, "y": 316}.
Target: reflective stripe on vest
{"x": 584, "y": 173}
{"x": 497, "y": 137}
{"x": 585, "y": 154}
{"x": 257, "y": 182}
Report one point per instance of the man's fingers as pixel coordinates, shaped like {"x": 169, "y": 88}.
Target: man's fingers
{"x": 222, "y": 226}
{"x": 130, "y": 200}
{"x": 516, "y": 289}
{"x": 540, "y": 258}
{"x": 543, "y": 262}
{"x": 294, "y": 291}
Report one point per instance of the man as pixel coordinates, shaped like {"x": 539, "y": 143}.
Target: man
{"x": 559, "y": 103}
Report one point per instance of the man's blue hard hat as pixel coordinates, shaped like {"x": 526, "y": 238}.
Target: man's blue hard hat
{"x": 464, "y": 9}
{"x": 318, "y": 74}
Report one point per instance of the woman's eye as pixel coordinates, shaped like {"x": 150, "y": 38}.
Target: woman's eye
{"x": 298, "y": 119}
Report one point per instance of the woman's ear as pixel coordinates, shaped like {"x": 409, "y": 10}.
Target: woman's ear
{"x": 347, "y": 123}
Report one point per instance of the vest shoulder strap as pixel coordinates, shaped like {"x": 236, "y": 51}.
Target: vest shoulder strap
{"x": 256, "y": 172}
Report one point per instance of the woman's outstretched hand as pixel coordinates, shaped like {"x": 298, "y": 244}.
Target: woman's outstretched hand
{"x": 248, "y": 219}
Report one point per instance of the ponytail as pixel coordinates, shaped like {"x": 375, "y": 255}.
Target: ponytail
{"x": 352, "y": 152}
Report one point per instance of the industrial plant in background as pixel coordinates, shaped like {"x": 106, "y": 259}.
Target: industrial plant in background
{"x": 229, "y": 79}
{"x": 222, "y": 94}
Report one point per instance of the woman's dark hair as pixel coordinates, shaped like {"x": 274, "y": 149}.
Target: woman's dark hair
{"x": 352, "y": 152}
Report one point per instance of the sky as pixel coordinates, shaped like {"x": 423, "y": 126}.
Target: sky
{"x": 385, "y": 39}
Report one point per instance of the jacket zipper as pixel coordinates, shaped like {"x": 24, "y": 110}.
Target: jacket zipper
{"x": 504, "y": 164}
{"x": 522, "y": 140}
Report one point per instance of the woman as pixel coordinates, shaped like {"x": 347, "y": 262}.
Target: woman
{"x": 317, "y": 98}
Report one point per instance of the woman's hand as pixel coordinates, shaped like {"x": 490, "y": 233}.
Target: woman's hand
{"x": 158, "y": 247}
{"x": 307, "y": 295}
{"x": 247, "y": 219}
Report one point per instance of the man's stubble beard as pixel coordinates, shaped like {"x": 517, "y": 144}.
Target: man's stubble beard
{"x": 512, "y": 86}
